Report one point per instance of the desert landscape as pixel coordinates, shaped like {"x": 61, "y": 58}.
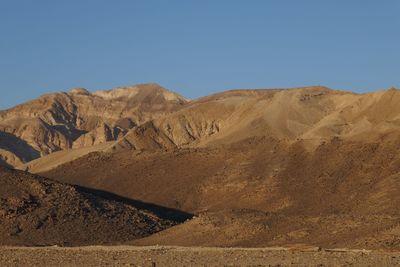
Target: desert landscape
{"x": 141, "y": 176}
{"x": 199, "y": 133}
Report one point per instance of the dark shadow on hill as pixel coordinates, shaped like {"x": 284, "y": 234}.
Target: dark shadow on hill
{"x": 18, "y": 146}
{"x": 3, "y": 163}
{"x": 162, "y": 212}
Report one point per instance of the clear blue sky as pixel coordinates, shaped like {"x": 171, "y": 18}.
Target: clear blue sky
{"x": 196, "y": 47}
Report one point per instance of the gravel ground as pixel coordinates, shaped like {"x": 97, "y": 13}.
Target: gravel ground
{"x": 195, "y": 256}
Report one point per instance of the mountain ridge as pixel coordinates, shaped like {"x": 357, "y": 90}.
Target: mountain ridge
{"x": 80, "y": 118}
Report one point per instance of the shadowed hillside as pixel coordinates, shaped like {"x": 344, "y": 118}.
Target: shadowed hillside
{"x": 344, "y": 187}
{"x": 38, "y": 211}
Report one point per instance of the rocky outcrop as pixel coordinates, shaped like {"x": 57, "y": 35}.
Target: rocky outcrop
{"x": 37, "y": 211}
{"x": 101, "y": 134}
{"x": 145, "y": 137}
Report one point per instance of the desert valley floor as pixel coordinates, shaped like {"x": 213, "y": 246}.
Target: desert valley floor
{"x": 194, "y": 256}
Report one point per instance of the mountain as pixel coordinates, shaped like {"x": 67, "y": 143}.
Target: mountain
{"x": 39, "y": 211}
{"x": 260, "y": 191}
{"x": 150, "y": 117}
{"x": 308, "y": 113}
{"x": 256, "y": 168}
{"x": 315, "y": 114}
{"x": 76, "y": 119}
{"x": 300, "y": 113}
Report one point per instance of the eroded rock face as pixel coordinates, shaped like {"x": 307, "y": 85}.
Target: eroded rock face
{"x": 78, "y": 118}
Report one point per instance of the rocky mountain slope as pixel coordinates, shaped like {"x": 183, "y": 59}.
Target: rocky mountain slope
{"x": 281, "y": 191}
{"x": 38, "y": 211}
{"x": 78, "y": 119}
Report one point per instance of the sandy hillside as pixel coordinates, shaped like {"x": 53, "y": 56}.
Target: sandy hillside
{"x": 311, "y": 113}
{"x": 55, "y": 159}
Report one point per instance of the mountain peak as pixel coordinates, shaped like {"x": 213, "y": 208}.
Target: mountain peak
{"x": 393, "y": 89}
{"x": 148, "y": 89}
{"x": 79, "y": 91}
